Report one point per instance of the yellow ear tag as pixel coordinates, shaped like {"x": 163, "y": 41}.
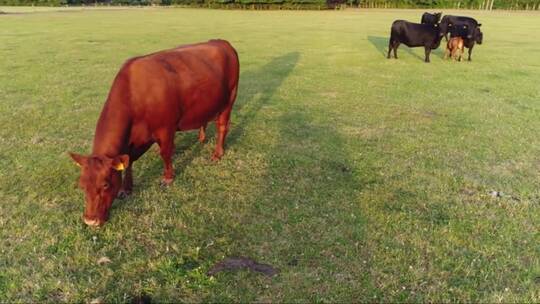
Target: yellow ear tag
{"x": 119, "y": 167}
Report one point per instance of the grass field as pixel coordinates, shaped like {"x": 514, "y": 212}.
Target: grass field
{"x": 360, "y": 178}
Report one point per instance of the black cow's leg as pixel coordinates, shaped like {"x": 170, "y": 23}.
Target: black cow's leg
{"x": 396, "y": 45}
{"x": 390, "y": 47}
{"x": 428, "y": 50}
{"x": 470, "y": 51}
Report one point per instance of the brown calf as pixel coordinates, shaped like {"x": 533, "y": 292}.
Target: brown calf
{"x": 454, "y": 48}
{"x": 151, "y": 98}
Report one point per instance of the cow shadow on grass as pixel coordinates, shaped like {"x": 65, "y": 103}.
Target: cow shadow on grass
{"x": 303, "y": 216}
{"x": 381, "y": 44}
{"x": 439, "y": 52}
{"x": 256, "y": 90}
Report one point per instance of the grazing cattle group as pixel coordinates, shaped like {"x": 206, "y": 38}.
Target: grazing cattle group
{"x": 154, "y": 96}
{"x": 429, "y": 32}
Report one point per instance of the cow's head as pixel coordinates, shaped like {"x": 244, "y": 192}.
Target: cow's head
{"x": 444, "y": 28}
{"x": 100, "y": 180}
{"x": 478, "y": 35}
{"x": 437, "y": 17}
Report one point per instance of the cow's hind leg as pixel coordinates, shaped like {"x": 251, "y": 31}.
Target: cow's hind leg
{"x": 390, "y": 47}
{"x": 396, "y": 45}
{"x": 165, "y": 140}
{"x": 222, "y": 126}
{"x": 202, "y": 133}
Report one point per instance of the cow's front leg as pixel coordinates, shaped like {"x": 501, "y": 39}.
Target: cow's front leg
{"x": 165, "y": 139}
{"x": 428, "y": 50}
{"x": 127, "y": 183}
{"x": 470, "y": 51}
{"x": 202, "y": 133}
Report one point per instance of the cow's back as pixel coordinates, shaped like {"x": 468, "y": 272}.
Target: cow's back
{"x": 413, "y": 34}
{"x": 185, "y": 86}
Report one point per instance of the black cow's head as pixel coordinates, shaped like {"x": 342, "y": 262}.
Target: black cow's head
{"x": 444, "y": 27}
{"x": 478, "y": 35}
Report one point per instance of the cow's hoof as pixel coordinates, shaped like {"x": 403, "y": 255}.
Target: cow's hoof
{"x": 123, "y": 194}
{"x": 165, "y": 182}
{"x": 216, "y": 156}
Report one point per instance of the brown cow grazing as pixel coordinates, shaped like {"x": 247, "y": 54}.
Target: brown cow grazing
{"x": 151, "y": 98}
{"x": 454, "y": 48}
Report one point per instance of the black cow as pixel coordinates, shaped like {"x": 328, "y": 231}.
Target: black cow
{"x": 428, "y": 18}
{"x": 414, "y": 35}
{"x": 449, "y": 21}
{"x": 462, "y": 31}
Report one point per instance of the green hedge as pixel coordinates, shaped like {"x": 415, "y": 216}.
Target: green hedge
{"x": 34, "y": 2}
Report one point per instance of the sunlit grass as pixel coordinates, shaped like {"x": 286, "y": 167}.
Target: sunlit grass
{"x": 360, "y": 178}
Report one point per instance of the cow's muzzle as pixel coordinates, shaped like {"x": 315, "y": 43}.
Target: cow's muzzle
{"x": 92, "y": 222}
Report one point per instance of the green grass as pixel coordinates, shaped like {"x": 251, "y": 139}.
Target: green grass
{"x": 360, "y": 178}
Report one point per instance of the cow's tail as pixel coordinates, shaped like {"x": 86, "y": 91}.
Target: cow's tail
{"x": 234, "y": 87}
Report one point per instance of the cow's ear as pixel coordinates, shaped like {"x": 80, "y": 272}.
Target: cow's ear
{"x": 79, "y": 159}
{"x": 120, "y": 162}
{"x": 479, "y": 25}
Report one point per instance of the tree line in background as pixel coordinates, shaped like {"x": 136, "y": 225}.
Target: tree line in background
{"x": 300, "y": 4}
